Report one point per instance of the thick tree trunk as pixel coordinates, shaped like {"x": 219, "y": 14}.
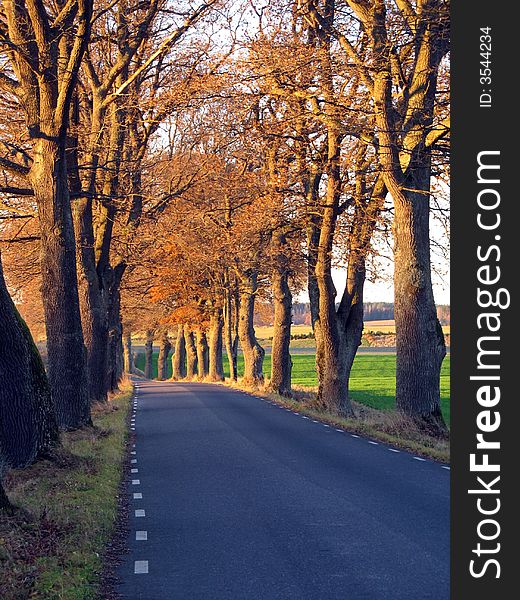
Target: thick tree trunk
{"x": 128, "y": 355}
{"x": 216, "y": 325}
{"x": 28, "y": 427}
{"x": 202, "y": 355}
{"x": 281, "y": 363}
{"x": 332, "y": 388}
{"x": 94, "y": 317}
{"x": 253, "y": 352}
{"x": 162, "y": 361}
{"x": 419, "y": 337}
{"x": 67, "y": 367}
{"x": 179, "y": 358}
{"x": 148, "y": 354}
{"x": 191, "y": 353}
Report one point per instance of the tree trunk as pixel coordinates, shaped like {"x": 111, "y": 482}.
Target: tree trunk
{"x": 419, "y": 337}
{"x": 216, "y": 367}
{"x": 148, "y": 354}
{"x": 162, "y": 361}
{"x": 28, "y": 427}
{"x": 112, "y": 284}
{"x": 253, "y": 352}
{"x": 128, "y": 355}
{"x": 230, "y": 333}
{"x": 179, "y": 358}
{"x": 94, "y": 318}
{"x": 281, "y": 363}
{"x": 67, "y": 367}
{"x": 202, "y": 355}
{"x": 191, "y": 353}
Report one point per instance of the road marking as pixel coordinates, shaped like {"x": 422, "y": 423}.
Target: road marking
{"x": 419, "y": 458}
{"x": 138, "y": 496}
{"x": 304, "y": 417}
{"x": 134, "y": 470}
{"x": 354, "y": 435}
{"x": 315, "y": 421}
{"x": 133, "y": 461}
{"x": 133, "y": 445}
{"x": 340, "y": 430}
{"x": 393, "y": 450}
{"x": 141, "y": 536}
{"x": 140, "y": 512}
{"x": 141, "y": 567}
{"x": 133, "y": 452}
{"x": 136, "y": 482}
{"x": 132, "y": 428}
{"x": 447, "y": 468}
{"x": 325, "y": 425}
{"x": 373, "y": 443}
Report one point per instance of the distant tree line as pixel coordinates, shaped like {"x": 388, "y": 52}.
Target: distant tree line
{"x": 373, "y": 311}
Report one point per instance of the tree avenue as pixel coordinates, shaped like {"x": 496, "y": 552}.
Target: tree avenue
{"x": 173, "y": 169}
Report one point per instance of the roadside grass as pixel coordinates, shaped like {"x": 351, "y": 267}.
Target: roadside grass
{"x": 372, "y": 381}
{"x": 51, "y": 547}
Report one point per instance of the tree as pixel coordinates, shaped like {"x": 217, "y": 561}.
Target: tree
{"x": 45, "y": 45}
{"x": 405, "y": 48}
{"x": 28, "y": 427}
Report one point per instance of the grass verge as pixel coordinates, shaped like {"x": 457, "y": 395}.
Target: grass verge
{"x": 387, "y": 426}
{"x": 51, "y": 547}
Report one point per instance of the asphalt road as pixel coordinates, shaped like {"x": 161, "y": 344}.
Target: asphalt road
{"x": 246, "y": 500}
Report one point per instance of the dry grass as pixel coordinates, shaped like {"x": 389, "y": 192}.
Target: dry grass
{"x": 50, "y": 548}
{"x": 387, "y": 426}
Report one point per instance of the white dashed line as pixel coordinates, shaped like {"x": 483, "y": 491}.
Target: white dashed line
{"x": 133, "y": 461}
{"x": 140, "y": 512}
{"x": 136, "y": 482}
{"x": 138, "y": 496}
{"x": 393, "y": 450}
{"x": 447, "y": 468}
{"x": 373, "y": 443}
{"x": 354, "y": 435}
{"x": 419, "y": 458}
{"x": 304, "y": 417}
{"x": 141, "y": 536}
{"x": 315, "y": 421}
{"x": 133, "y": 452}
{"x": 340, "y": 430}
{"x": 141, "y": 567}
{"x": 134, "y": 470}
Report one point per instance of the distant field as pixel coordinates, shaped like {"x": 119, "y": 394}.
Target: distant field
{"x": 372, "y": 380}
{"x": 388, "y": 326}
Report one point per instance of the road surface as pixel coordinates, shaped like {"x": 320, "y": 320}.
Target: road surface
{"x": 235, "y": 498}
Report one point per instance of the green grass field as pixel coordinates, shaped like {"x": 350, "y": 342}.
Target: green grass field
{"x": 372, "y": 380}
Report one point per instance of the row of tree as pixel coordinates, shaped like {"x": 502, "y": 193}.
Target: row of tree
{"x": 178, "y": 160}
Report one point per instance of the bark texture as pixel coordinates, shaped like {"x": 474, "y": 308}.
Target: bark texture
{"x": 28, "y": 427}
{"x": 191, "y": 353}
{"x": 281, "y": 363}
{"x": 179, "y": 358}
{"x": 128, "y": 354}
{"x": 216, "y": 367}
{"x": 148, "y": 354}
{"x": 231, "y": 330}
{"x": 162, "y": 360}
{"x": 67, "y": 366}
{"x": 202, "y": 355}
{"x": 253, "y": 352}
